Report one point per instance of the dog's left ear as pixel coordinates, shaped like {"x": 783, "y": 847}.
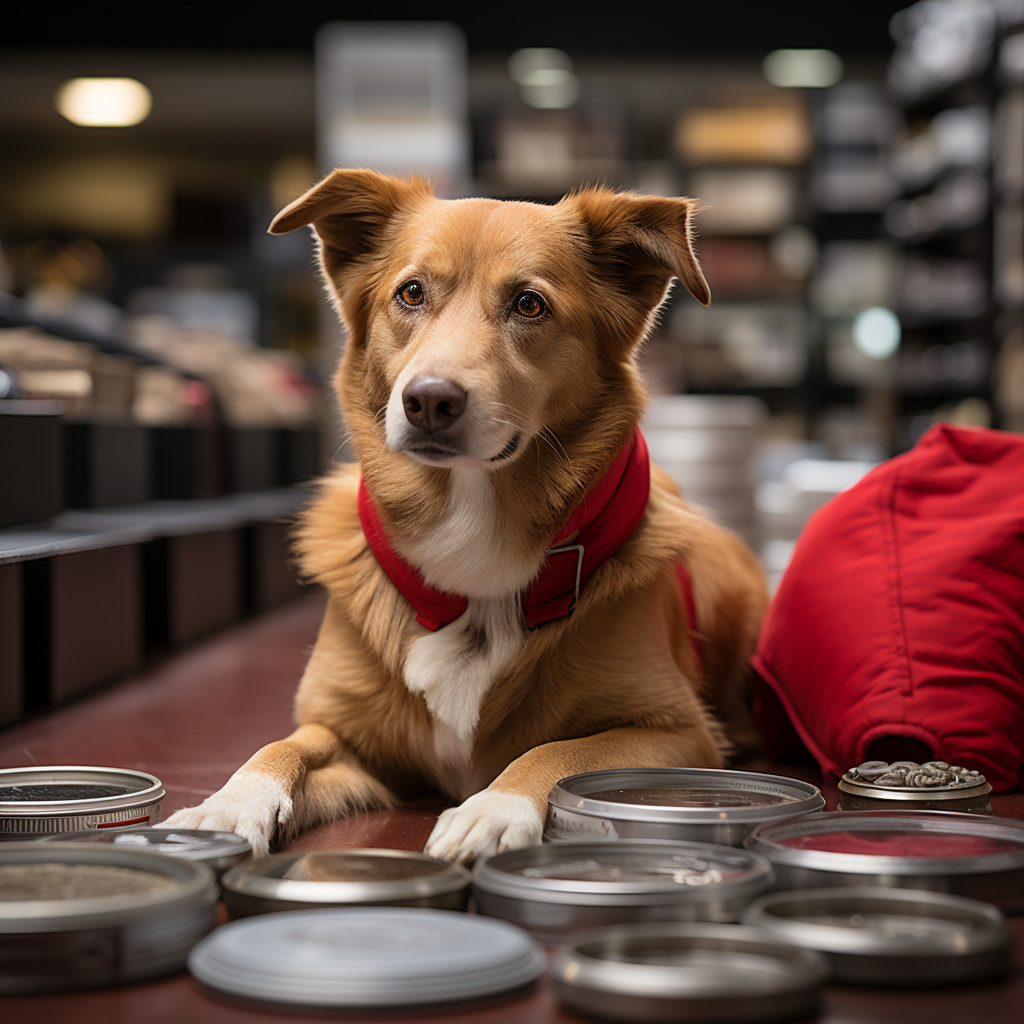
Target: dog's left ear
{"x": 645, "y": 240}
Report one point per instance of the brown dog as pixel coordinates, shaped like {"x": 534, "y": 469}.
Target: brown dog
{"x": 509, "y": 599}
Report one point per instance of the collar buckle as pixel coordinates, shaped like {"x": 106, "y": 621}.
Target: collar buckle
{"x": 564, "y": 550}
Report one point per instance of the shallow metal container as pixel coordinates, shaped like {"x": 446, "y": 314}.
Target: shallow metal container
{"x": 702, "y": 805}
{"x": 75, "y": 915}
{"x": 875, "y": 936}
{"x": 559, "y": 888}
{"x": 219, "y": 851}
{"x": 656, "y": 973}
{"x": 46, "y": 800}
{"x": 345, "y": 878}
{"x": 876, "y": 786}
{"x": 943, "y": 851}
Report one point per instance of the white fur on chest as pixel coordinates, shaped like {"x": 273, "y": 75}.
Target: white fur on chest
{"x": 455, "y": 667}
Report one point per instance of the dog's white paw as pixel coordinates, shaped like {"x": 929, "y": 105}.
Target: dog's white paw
{"x": 486, "y": 823}
{"x": 251, "y": 804}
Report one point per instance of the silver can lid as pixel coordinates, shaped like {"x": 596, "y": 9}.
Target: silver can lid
{"x": 188, "y": 844}
{"x": 44, "y": 800}
{"x": 381, "y": 956}
{"x": 53, "y": 887}
{"x": 682, "y": 972}
{"x": 882, "y": 935}
{"x": 623, "y": 873}
{"x": 685, "y": 795}
{"x": 893, "y": 842}
{"x": 345, "y": 877}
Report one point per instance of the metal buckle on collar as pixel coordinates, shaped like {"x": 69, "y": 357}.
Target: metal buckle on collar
{"x": 565, "y": 549}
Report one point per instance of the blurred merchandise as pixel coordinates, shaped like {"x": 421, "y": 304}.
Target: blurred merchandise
{"x": 744, "y": 202}
{"x": 942, "y": 286}
{"x": 853, "y": 275}
{"x": 764, "y": 134}
{"x": 393, "y": 97}
{"x": 31, "y": 461}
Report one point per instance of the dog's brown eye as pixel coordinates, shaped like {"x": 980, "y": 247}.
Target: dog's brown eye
{"x": 529, "y": 304}
{"x": 411, "y": 294}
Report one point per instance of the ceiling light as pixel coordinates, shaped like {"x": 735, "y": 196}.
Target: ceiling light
{"x": 876, "y": 332}
{"x": 802, "y": 69}
{"x": 104, "y": 102}
{"x": 545, "y": 77}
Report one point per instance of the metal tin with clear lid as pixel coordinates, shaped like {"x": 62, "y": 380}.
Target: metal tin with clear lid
{"x": 703, "y": 805}
{"x": 75, "y": 915}
{"x": 944, "y": 851}
{"x": 559, "y": 888}
{"x": 219, "y": 851}
{"x": 876, "y": 936}
{"x": 334, "y": 878}
{"x": 687, "y": 972}
{"x": 377, "y": 957}
{"x": 46, "y": 800}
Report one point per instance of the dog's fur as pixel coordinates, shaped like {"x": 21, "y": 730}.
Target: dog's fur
{"x": 388, "y": 711}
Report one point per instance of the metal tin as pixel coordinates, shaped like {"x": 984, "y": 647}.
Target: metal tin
{"x": 962, "y": 854}
{"x": 908, "y": 785}
{"x": 701, "y": 805}
{"x": 687, "y": 972}
{"x": 378, "y": 957}
{"x": 877, "y": 936}
{"x": 45, "y": 800}
{"x": 560, "y": 888}
{"x": 219, "y": 851}
{"x": 102, "y": 916}
{"x": 368, "y": 878}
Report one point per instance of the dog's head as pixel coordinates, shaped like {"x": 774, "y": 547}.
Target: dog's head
{"x": 481, "y": 329}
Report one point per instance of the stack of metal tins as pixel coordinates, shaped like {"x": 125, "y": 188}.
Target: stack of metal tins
{"x": 706, "y": 444}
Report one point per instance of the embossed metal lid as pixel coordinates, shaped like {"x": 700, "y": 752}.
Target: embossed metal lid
{"x": 44, "y": 800}
{"x": 687, "y": 972}
{"x": 911, "y": 781}
{"x": 890, "y": 936}
{"x": 381, "y": 956}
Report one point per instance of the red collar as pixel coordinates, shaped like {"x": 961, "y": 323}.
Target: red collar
{"x": 606, "y": 518}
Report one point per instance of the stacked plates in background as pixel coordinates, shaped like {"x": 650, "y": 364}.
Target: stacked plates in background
{"x": 706, "y": 444}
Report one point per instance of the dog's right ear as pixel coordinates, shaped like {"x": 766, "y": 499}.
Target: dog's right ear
{"x": 348, "y": 209}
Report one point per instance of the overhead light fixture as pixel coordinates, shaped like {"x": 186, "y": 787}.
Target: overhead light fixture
{"x": 876, "y": 332}
{"x": 545, "y": 77}
{"x": 104, "y": 102}
{"x": 803, "y": 69}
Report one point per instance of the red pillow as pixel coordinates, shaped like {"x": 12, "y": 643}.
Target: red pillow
{"x": 900, "y": 619}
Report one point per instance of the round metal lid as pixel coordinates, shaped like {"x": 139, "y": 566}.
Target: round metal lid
{"x": 188, "y": 844}
{"x": 380, "y": 956}
{"x": 670, "y": 971}
{"x": 622, "y": 873}
{"x": 59, "y": 886}
{"x": 56, "y": 798}
{"x": 893, "y": 923}
{"x": 893, "y": 842}
{"x": 909, "y": 780}
{"x": 346, "y": 876}
{"x": 689, "y": 795}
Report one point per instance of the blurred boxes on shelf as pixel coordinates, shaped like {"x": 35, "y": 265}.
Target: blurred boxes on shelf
{"x": 770, "y": 134}
{"x": 31, "y": 461}
{"x": 706, "y": 444}
{"x": 106, "y": 464}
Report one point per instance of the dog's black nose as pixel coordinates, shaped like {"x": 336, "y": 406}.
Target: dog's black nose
{"x": 433, "y": 404}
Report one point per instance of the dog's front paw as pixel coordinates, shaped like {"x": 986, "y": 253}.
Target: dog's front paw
{"x": 486, "y": 823}
{"x": 252, "y": 804}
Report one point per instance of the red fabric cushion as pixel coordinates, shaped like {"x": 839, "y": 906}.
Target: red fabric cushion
{"x": 902, "y": 612}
